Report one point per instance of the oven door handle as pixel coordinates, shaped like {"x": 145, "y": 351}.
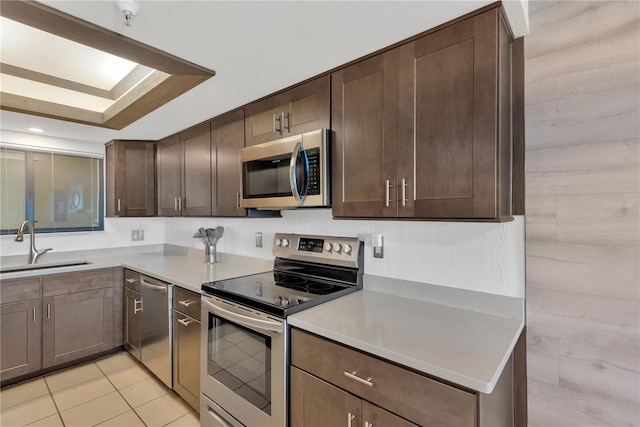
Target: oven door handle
{"x": 247, "y": 321}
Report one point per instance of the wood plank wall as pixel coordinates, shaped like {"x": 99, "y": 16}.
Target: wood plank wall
{"x": 582, "y": 75}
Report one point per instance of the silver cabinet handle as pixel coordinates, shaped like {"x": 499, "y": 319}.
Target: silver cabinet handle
{"x": 387, "y": 197}
{"x": 186, "y": 302}
{"x": 404, "y": 192}
{"x": 350, "y": 418}
{"x": 237, "y": 200}
{"x": 287, "y": 126}
{"x": 175, "y": 203}
{"x": 34, "y": 314}
{"x": 48, "y": 311}
{"x": 131, "y": 280}
{"x": 185, "y": 322}
{"x": 353, "y": 376}
{"x": 180, "y": 200}
{"x": 279, "y": 120}
{"x": 368, "y": 424}
{"x": 119, "y": 209}
{"x": 137, "y": 309}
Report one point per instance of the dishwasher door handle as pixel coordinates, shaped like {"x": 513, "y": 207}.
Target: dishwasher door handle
{"x": 158, "y": 288}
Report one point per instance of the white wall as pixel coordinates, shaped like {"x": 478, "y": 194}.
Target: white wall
{"x": 117, "y": 233}
{"x": 487, "y": 257}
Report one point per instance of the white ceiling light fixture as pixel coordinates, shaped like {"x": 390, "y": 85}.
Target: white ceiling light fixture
{"x": 129, "y": 9}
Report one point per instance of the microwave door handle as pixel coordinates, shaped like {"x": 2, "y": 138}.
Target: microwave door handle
{"x": 293, "y": 179}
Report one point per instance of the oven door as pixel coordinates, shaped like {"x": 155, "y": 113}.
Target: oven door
{"x": 243, "y": 362}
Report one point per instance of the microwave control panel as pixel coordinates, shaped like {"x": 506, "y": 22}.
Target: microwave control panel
{"x": 313, "y": 157}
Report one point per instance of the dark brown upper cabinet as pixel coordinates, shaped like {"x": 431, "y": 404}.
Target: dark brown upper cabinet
{"x": 300, "y": 109}
{"x": 184, "y": 173}
{"x": 227, "y": 138}
{"x": 365, "y": 149}
{"x": 433, "y": 141}
{"x": 130, "y": 178}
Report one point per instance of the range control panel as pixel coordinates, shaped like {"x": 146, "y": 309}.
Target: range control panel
{"x": 321, "y": 249}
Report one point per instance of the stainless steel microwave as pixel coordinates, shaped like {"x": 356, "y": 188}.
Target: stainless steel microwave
{"x": 287, "y": 173}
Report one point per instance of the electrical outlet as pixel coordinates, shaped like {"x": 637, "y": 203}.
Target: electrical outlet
{"x": 137, "y": 235}
{"x": 377, "y": 241}
{"x": 258, "y": 239}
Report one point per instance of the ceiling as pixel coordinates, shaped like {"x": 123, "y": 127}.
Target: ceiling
{"x": 256, "y": 48}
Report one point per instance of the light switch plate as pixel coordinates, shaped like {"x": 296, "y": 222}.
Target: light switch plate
{"x": 258, "y": 239}
{"x": 137, "y": 235}
{"x": 378, "y": 246}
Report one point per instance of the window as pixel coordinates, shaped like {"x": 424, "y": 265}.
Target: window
{"x": 57, "y": 192}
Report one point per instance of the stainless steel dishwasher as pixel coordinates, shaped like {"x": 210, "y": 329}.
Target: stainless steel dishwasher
{"x": 156, "y": 325}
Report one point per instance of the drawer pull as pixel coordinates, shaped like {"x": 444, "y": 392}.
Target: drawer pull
{"x": 350, "y": 418}
{"x": 185, "y": 322}
{"x": 186, "y": 302}
{"x": 353, "y": 376}
{"x": 136, "y": 309}
{"x": 131, "y": 280}
{"x": 368, "y": 424}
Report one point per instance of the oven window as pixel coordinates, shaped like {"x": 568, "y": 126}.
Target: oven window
{"x": 240, "y": 359}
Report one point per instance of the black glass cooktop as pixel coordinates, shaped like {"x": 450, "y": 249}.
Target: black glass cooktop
{"x": 279, "y": 293}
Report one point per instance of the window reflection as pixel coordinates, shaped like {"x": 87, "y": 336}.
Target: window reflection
{"x": 58, "y": 192}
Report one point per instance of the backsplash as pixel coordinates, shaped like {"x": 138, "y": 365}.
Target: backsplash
{"x": 486, "y": 257}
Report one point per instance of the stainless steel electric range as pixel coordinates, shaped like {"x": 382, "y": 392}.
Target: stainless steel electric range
{"x": 245, "y": 337}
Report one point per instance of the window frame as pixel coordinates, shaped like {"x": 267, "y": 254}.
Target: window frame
{"x": 30, "y": 189}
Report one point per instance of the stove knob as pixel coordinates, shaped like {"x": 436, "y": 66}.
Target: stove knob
{"x": 278, "y": 242}
{"x": 285, "y": 243}
{"x": 337, "y": 247}
{"x": 277, "y": 300}
{"x": 328, "y": 247}
{"x": 347, "y": 249}
{"x": 285, "y": 302}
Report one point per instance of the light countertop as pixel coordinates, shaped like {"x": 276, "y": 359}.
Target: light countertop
{"x": 454, "y": 343}
{"x": 181, "y": 266}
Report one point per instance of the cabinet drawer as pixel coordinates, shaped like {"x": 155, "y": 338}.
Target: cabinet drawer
{"x": 132, "y": 280}
{"x": 67, "y": 283}
{"x": 186, "y": 302}
{"x": 19, "y": 290}
{"x": 413, "y": 396}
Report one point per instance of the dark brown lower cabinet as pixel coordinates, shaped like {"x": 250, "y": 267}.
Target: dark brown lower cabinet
{"x": 20, "y": 337}
{"x": 333, "y": 384}
{"x": 186, "y": 346}
{"x": 315, "y": 402}
{"x": 76, "y": 325}
{"x": 132, "y": 326}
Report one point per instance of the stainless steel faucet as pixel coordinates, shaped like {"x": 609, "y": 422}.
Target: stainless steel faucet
{"x": 33, "y": 252}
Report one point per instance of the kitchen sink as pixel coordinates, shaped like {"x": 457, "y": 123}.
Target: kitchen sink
{"x": 43, "y": 266}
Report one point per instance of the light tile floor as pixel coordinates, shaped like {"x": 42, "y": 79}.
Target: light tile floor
{"x": 114, "y": 391}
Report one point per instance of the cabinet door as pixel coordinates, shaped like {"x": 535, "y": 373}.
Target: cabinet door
{"x": 186, "y": 358}
{"x": 196, "y": 171}
{"x": 365, "y": 149}
{"x": 318, "y": 403}
{"x": 135, "y": 188}
{"x": 307, "y": 107}
{"x": 76, "y": 325}
{"x": 263, "y": 121}
{"x": 132, "y": 315}
{"x": 376, "y": 416}
{"x": 448, "y": 119}
{"x": 227, "y": 138}
{"x": 168, "y": 158}
{"x": 20, "y": 338}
